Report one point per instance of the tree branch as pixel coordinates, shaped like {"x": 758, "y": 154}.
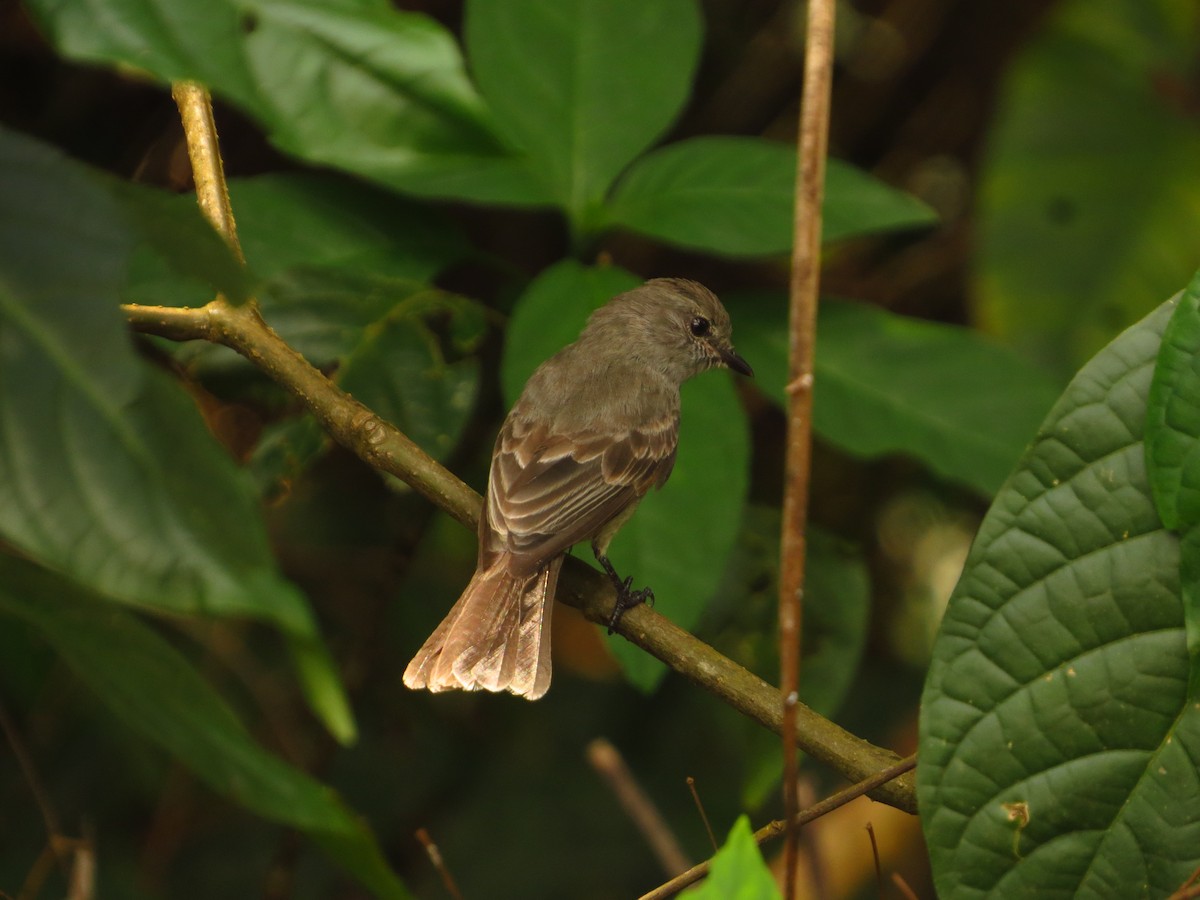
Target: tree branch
{"x": 777, "y": 827}
{"x": 383, "y": 447}
{"x": 805, "y": 280}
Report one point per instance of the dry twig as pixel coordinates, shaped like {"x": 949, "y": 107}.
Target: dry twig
{"x": 776, "y": 828}
{"x": 607, "y": 760}
{"x": 806, "y": 266}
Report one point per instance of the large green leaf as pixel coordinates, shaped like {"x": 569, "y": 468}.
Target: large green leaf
{"x": 1058, "y": 744}
{"x": 1090, "y": 191}
{"x": 681, "y": 537}
{"x": 738, "y": 871}
{"x": 1173, "y": 451}
{"x": 158, "y": 693}
{"x": 960, "y": 403}
{"x": 290, "y": 221}
{"x": 401, "y": 372}
{"x": 298, "y": 225}
{"x": 107, "y": 472}
{"x": 355, "y": 84}
{"x": 583, "y": 86}
{"x": 734, "y": 196}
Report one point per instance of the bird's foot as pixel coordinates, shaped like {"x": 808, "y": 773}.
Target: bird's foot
{"x": 626, "y": 596}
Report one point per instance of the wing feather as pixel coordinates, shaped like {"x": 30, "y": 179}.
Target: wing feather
{"x": 550, "y": 491}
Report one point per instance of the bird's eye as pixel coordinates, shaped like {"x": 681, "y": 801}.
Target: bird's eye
{"x": 699, "y": 326}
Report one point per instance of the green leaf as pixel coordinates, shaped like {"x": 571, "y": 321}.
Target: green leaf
{"x": 400, "y": 371}
{"x": 948, "y": 396}
{"x": 1058, "y": 743}
{"x": 582, "y": 87}
{"x": 356, "y": 85}
{"x": 837, "y": 613}
{"x": 183, "y": 242}
{"x": 550, "y": 315}
{"x": 1090, "y": 191}
{"x": 662, "y": 545}
{"x": 156, "y": 692}
{"x": 734, "y": 196}
{"x": 738, "y": 871}
{"x": 1172, "y": 445}
{"x": 857, "y": 204}
{"x": 107, "y": 472}
{"x": 681, "y": 537}
{"x": 302, "y": 221}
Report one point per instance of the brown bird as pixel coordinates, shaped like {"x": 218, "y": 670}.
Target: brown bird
{"x": 594, "y": 430}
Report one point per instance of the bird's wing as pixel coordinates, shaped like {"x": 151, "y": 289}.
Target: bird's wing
{"x": 550, "y": 491}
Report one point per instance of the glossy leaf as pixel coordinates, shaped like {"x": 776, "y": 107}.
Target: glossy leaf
{"x": 738, "y": 871}
{"x": 1090, "y": 190}
{"x": 1173, "y": 450}
{"x": 734, "y": 196}
{"x": 682, "y": 536}
{"x": 582, "y": 87}
{"x": 158, "y": 693}
{"x": 357, "y": 85}
{"x": 400, "y": 371}
{"x": 1058, "y": 742}
{"x": 107, "y": 472}
{"x": 292, "y": 221}
{"x": 837, "y": 614}
{"x": 948, "y": 396}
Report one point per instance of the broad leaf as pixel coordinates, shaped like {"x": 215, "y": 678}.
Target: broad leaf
{"x": 582, "y": 86}
{"x": 357, "y": 85}
{"x": 158, "y": 693}
{"x": 948, "y": 396}
{"x": 400, "y": 371}
{"x": 682, "y": 536}
{"x": 1058, "y": 744}
{"x": 738, "y": 871}
{"x": 288, "y": 222}
{"x": 1173, "y": 450}
{"x": 837, "y": 600}
{"x": 734, "y": 196}
{"x": 107, "y": 472}
{"x": 1090, "y": 191}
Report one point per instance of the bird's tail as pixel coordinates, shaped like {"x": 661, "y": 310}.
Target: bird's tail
{"x": 495, "y": 638}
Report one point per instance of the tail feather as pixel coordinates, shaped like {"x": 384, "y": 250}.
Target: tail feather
{"x": 495, "y": 638}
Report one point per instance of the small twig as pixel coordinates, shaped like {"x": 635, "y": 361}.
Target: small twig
{"x": 1189, "y": 888}
{"x": 712, "y": 839}
{"x": 777, "y": 827}
{"x": 902, "y": 887}
{"x": 435, "y": 858}
{"x": 29, "y": 770}
{"x": 204, "y": 151}
{"x": 607, "y": 761}
{"x": 806, "y": 267}
{"x": 875, "y": 856}
{"x": 82, "y": 883}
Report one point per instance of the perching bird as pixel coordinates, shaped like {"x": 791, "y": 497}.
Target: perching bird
{"x": 594, "y": 430}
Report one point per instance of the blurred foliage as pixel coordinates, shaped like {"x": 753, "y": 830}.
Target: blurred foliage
{"x": 431, "y": 201}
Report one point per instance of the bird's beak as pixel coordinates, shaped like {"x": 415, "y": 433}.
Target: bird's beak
{"x": 731, "y": 359}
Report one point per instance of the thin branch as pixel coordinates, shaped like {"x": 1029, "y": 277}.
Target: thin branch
{"x": 29, "y": 770}
{"x": 608, "y": 762}
{"x": 777, "y": 827}
{"x": 806, "y": 267}
{"x": 436, "y": 860}
{"x": 381, "y": 446}
{"x": 204, "y": 151}
{"x": 712, "y": 838}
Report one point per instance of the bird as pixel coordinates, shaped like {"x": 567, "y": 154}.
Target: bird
{"x": 594, "y": 430}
